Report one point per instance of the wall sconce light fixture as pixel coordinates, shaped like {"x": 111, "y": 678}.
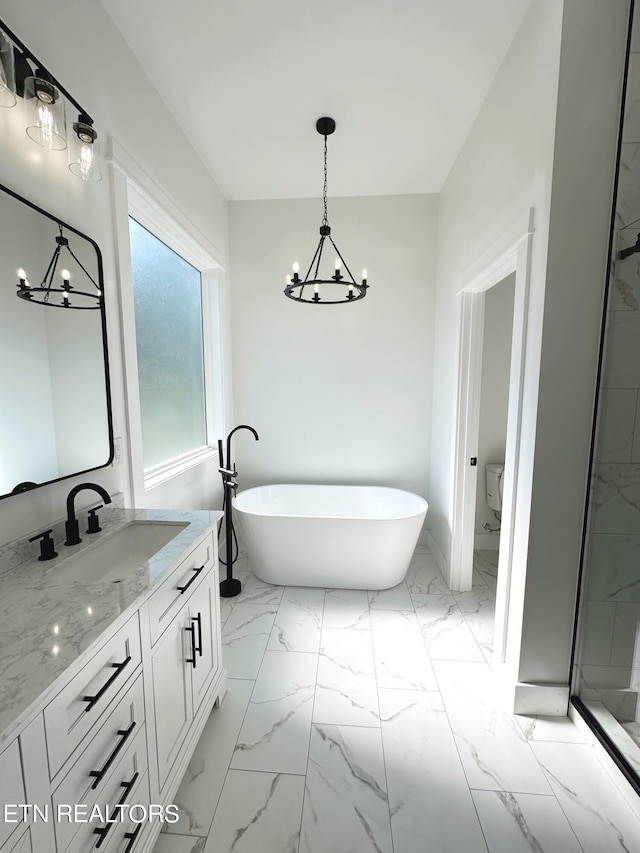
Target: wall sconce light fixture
{"x": 64, "y": 296}
{"x": 45, "y": 111}
{"x": 84, "y": 150}
{"x": 23, "y": 76}
{"x": 340, "y": 287}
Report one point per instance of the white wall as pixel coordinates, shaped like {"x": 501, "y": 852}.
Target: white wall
{"x": 522, "y": 154}
{"x": 80, "y": 45}
{"x": 338, "y": 393}
{"x": 496, "y": 360}
{"x": 503, "y": 169}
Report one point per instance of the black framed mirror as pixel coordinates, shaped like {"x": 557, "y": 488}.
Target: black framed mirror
{"x": 55, "y": 403}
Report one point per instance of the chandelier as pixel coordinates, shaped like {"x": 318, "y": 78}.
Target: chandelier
{"x": 64, "y": 296}
{"x": 341, "y": 286}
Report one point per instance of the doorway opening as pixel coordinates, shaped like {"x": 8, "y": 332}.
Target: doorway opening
{"x": 510, "y": 274}
{"x": 492, "y": 441}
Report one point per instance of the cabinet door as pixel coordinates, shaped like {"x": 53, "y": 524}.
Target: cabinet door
{"x": 171, "y": 692}
{"x": 203, "y": 616}
{"x": 11, "y": 787}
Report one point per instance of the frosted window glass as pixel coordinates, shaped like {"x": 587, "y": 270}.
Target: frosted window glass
{"x": 168, "y": 318}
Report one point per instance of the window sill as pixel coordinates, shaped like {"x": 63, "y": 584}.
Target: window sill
{"x": 167, "y": 470}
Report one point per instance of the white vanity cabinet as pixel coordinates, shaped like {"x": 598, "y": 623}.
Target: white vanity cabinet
{"x": 185, "y": 659}
{"x": 122, "y": 728}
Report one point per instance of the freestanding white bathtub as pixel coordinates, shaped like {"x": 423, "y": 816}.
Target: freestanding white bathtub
{"x": 349, "y": 537}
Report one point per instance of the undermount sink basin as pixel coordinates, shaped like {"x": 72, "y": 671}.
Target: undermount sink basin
{"x": 120, "y": 553}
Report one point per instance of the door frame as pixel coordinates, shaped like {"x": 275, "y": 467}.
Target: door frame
{"x": 471, "y": 301}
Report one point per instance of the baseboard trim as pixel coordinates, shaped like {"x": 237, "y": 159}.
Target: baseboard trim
{"x": 549, "y": 700}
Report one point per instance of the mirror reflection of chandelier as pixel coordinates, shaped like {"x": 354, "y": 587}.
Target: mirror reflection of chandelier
{"x": 65, "y": 295}
{"x": 341, "y": 286}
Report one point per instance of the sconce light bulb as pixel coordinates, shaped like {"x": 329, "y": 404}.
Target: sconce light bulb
{"x": 65, "y": 274}
{"x": 21, "y": 274}
{"x": 364, "y": 274}
{"x": 296, "y": 267}
{"x": 338, "y": 263}
{"x": 288, "y": 279}
{"x": 46, "y": 124}
{"x": 315, "y": 287}
{"x": 86, "y": 160}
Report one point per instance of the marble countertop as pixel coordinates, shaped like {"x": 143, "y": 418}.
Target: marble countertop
{"x": 48, "y": 623}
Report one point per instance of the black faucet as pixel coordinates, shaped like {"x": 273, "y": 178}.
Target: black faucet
{"x": 242, "y": 426}
{"x": 71, "y": 527}
{"x": 231, "y": 586}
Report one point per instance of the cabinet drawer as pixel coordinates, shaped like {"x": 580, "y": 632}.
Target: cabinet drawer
{"x": 92, "y": 835}
{"x": 73, "y": 712}
{"x": 117, "y": 751}
{"x": 129, "y": 836}
{"x": 165, "y": 603}
{"x": 11, "y": 785}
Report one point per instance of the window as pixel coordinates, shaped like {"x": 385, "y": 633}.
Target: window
{"x": 167, "y": 292}
{"x": 174, "y": 306}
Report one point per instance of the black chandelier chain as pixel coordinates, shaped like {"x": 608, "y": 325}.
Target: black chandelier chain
{"x": 325, "y": 220}
{"x": 341, "y": 287}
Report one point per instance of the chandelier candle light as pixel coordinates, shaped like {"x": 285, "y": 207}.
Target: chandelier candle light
{"x": 340, "y": 287}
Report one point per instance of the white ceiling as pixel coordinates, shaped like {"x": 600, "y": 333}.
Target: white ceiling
{"x": 247, "y": 79}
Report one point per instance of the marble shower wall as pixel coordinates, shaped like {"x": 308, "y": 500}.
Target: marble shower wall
{"x": 610, "y": 650}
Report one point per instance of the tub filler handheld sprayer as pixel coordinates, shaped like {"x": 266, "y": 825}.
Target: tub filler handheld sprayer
{"x": 230, "y": 586}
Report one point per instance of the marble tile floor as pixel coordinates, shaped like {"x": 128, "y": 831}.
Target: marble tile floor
{"x": 364, "y": 721}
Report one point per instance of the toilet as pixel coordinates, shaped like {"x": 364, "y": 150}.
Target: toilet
{"x": 494, "y": 472}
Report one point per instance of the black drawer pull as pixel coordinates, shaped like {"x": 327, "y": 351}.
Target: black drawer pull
{"x": 98, "y": 775}
{"x": 198, "y": 619}
{"x": 192, "y": 631}
{"x": 104, "y": 830}
{"x": 132, "y": 838}
{"x": 118, "y": 669}
{"x": 184, "y": 588}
